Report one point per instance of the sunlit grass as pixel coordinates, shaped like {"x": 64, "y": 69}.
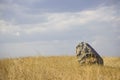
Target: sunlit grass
{"x": 58, "y": 68}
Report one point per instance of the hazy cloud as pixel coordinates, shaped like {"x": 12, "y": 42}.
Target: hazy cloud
{"x": 65, "y": 21}
{"x": 26, "y": 30}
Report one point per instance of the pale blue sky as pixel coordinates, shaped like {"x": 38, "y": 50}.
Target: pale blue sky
{"x": 55, "y": 27}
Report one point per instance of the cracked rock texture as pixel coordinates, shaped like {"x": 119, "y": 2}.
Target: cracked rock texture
{"x": 87, "y": 55}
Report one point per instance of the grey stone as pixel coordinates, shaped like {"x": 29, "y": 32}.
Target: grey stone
{"x": 87, "y": 55}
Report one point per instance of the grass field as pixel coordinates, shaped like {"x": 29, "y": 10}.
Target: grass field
{"x": 58, "y": 68}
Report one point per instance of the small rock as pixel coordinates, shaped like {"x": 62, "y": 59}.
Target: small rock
{"x": 87, "y": 55}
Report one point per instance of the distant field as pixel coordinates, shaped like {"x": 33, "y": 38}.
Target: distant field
{"x": 58, "y": 68}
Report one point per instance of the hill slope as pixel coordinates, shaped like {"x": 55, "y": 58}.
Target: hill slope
{"x": 57, "y": 68}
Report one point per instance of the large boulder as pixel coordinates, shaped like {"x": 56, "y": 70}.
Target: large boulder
{"x": 87, "y": 55}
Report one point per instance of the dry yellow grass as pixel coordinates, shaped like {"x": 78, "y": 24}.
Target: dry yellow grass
{"x": 57, "y": 68}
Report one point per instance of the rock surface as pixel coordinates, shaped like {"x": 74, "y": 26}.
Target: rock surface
{"x": 87, "y": 55}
